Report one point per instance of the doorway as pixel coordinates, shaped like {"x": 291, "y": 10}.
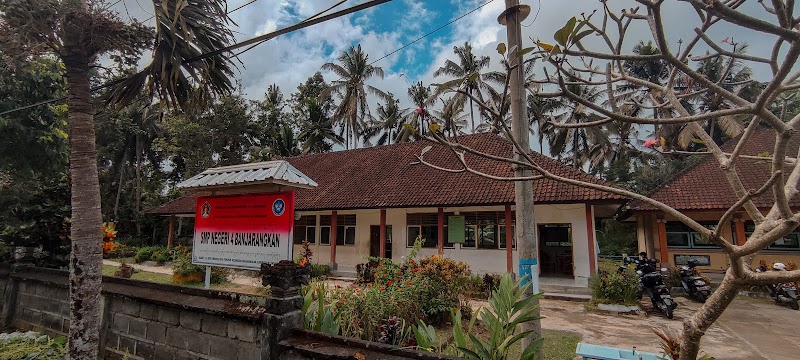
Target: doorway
{"x": 375, "y": 241}
{"x": 555, "y": 250}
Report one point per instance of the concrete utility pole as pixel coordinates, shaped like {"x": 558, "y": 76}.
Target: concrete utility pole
{"x": 523, "y": 190}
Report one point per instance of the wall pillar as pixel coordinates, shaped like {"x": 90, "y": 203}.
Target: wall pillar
{"x": 440, "y": 228}
{"x": 590, "y": 231}
{"x": 171, "y": 235}
{"x": 333, "y": 238}
{"x": 509, "y": 242}
{"x": 382, "y": 252}
{"x": 741, "y": 238}
{"x": 662, "y": 241}
{"x": 284, "y": 303}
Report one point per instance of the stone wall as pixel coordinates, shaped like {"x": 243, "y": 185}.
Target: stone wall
{"x": 141, "y": 320}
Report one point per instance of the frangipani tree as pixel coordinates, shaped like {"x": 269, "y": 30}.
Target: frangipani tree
{"x": 603, "y": 65}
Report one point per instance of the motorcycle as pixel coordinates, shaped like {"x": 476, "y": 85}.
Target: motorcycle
{"x": 695, "y": 286}
{"x": 651, "y": 282}
{"x": 783, "y": 293}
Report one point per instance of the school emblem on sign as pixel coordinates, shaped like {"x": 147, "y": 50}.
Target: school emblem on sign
{"x": 205, "y": 210}
{"x": 278, "y": 207}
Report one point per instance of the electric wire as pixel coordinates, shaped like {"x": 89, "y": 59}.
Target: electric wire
{"x": 271, "y": 35}
{"x": 433, "y": 31}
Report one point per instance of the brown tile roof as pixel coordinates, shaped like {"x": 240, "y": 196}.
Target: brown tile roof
{"x": 703, "y": 186}
{"x": 385, "y": 177}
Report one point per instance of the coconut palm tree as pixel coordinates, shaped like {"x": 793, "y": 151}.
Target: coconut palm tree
{"x": 389, "y": 125}
{"x": 466, "y": 74}
{"x": 579, "y": 145}
{"x": 354, "y": 70}
{"x": 78, "y": 32}
{"x": 316, "y": 130}
{"x": 451, "y": 116}
{"x": 421, "y": 99}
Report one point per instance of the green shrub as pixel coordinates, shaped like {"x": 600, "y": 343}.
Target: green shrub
{"x": 161, "y": 255}
{"x": 182, "y": 265}
{"x": 613, "y": 287}
{"x": 145, "y": 254}
{"x": 319, "y": 270}
{"x": 31, "y": 346}
{"x": 507, "y": 309}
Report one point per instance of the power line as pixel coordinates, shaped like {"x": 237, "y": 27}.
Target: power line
{"x": 432, "y": 32}
{"x": 258, "y": 39}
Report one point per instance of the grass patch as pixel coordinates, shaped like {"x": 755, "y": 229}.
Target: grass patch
{"x": 108, "y": 270}
{"x": 125, "y": 260}
{"x": 558, "y": 345}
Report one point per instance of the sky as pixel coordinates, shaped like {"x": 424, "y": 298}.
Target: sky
{"x": 290, "y": 59}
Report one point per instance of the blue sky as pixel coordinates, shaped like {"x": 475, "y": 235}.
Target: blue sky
{"x": 289, "y": 60}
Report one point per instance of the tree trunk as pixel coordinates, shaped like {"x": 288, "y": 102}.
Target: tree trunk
{"x": 138, "y": 192}
{"x": 471, "y": 113}
{"x": 86, "y": 222}
{"x": 122, "y": 166}
{"x": 695, "y": 327}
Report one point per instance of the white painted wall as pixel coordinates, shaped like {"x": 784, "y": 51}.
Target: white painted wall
{"x": 480, "y": 261}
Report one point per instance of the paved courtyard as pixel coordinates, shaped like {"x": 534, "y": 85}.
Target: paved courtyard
{"x": 749, "y": 328}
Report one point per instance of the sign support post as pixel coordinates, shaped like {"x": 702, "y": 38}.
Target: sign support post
{"x": 208, "y": 277}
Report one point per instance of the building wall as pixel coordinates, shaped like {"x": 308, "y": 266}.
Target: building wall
{"x": 480, "y": 260}
{"x": 647, "y": 234}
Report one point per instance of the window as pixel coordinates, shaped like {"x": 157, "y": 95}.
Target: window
{"x": 681, "y": 236}
{"x": 501, "y": 231}
{"x": 345, "y": 230}
{"x": 485, "y": 230}
{"x": 427, "y": 226}
{"x": 305, "y": 229}
{"x": 789, "y": 242}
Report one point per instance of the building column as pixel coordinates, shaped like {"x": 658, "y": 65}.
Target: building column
{"x": 171, "y": 235}
{"x": 662, "y": 241}
{"x": 382, "y": 251}
{"x": 333, "y": 237}
{"x": 590, "y": 231}
{"x": 440, "y": 228}
{"x": 741, "y": 238}
{"x": 509, "y": 242}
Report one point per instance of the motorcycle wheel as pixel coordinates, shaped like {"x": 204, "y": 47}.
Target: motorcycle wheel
{"x": 668, "y": 308}
{"x": 794, "y": 305}
{"x": 702, "y": 297}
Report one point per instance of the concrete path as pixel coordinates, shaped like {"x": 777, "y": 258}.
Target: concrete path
{"x": 749, "y": 329}
{"x": 753, "y": 329}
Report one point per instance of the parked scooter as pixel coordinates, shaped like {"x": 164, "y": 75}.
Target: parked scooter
{"x": 651, "y": 282}
{"x": 696, "y": 286}
{"x": 784, "y": 293}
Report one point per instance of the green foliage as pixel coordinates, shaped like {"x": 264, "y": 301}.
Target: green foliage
{"x": 162, "y": 255}
{"x": 182, "y": 265}
{"x": 34, "y": 194}
{"x": 146, "y": 253}
{"x": 319, "y": 270}
{"x": 613, "y": 287}
{"x": 31, "y": 346}
{"x": 507, "y": 309}
{"x": 318, "y": 315}
{"x": 616, "y": 237}
{"x": 426, "y": 338}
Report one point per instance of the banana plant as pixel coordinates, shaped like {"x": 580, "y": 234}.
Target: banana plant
{"x": 507, "y": 309}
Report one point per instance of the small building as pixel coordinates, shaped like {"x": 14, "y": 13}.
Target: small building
{"x": 702, "y": 193}
{"x": 376, "y": 201}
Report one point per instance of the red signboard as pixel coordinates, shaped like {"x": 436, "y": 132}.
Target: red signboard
{"x": 243, "y": 231}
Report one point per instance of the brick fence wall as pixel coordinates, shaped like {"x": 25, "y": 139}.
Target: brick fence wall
{"x": 142, "y": 320}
